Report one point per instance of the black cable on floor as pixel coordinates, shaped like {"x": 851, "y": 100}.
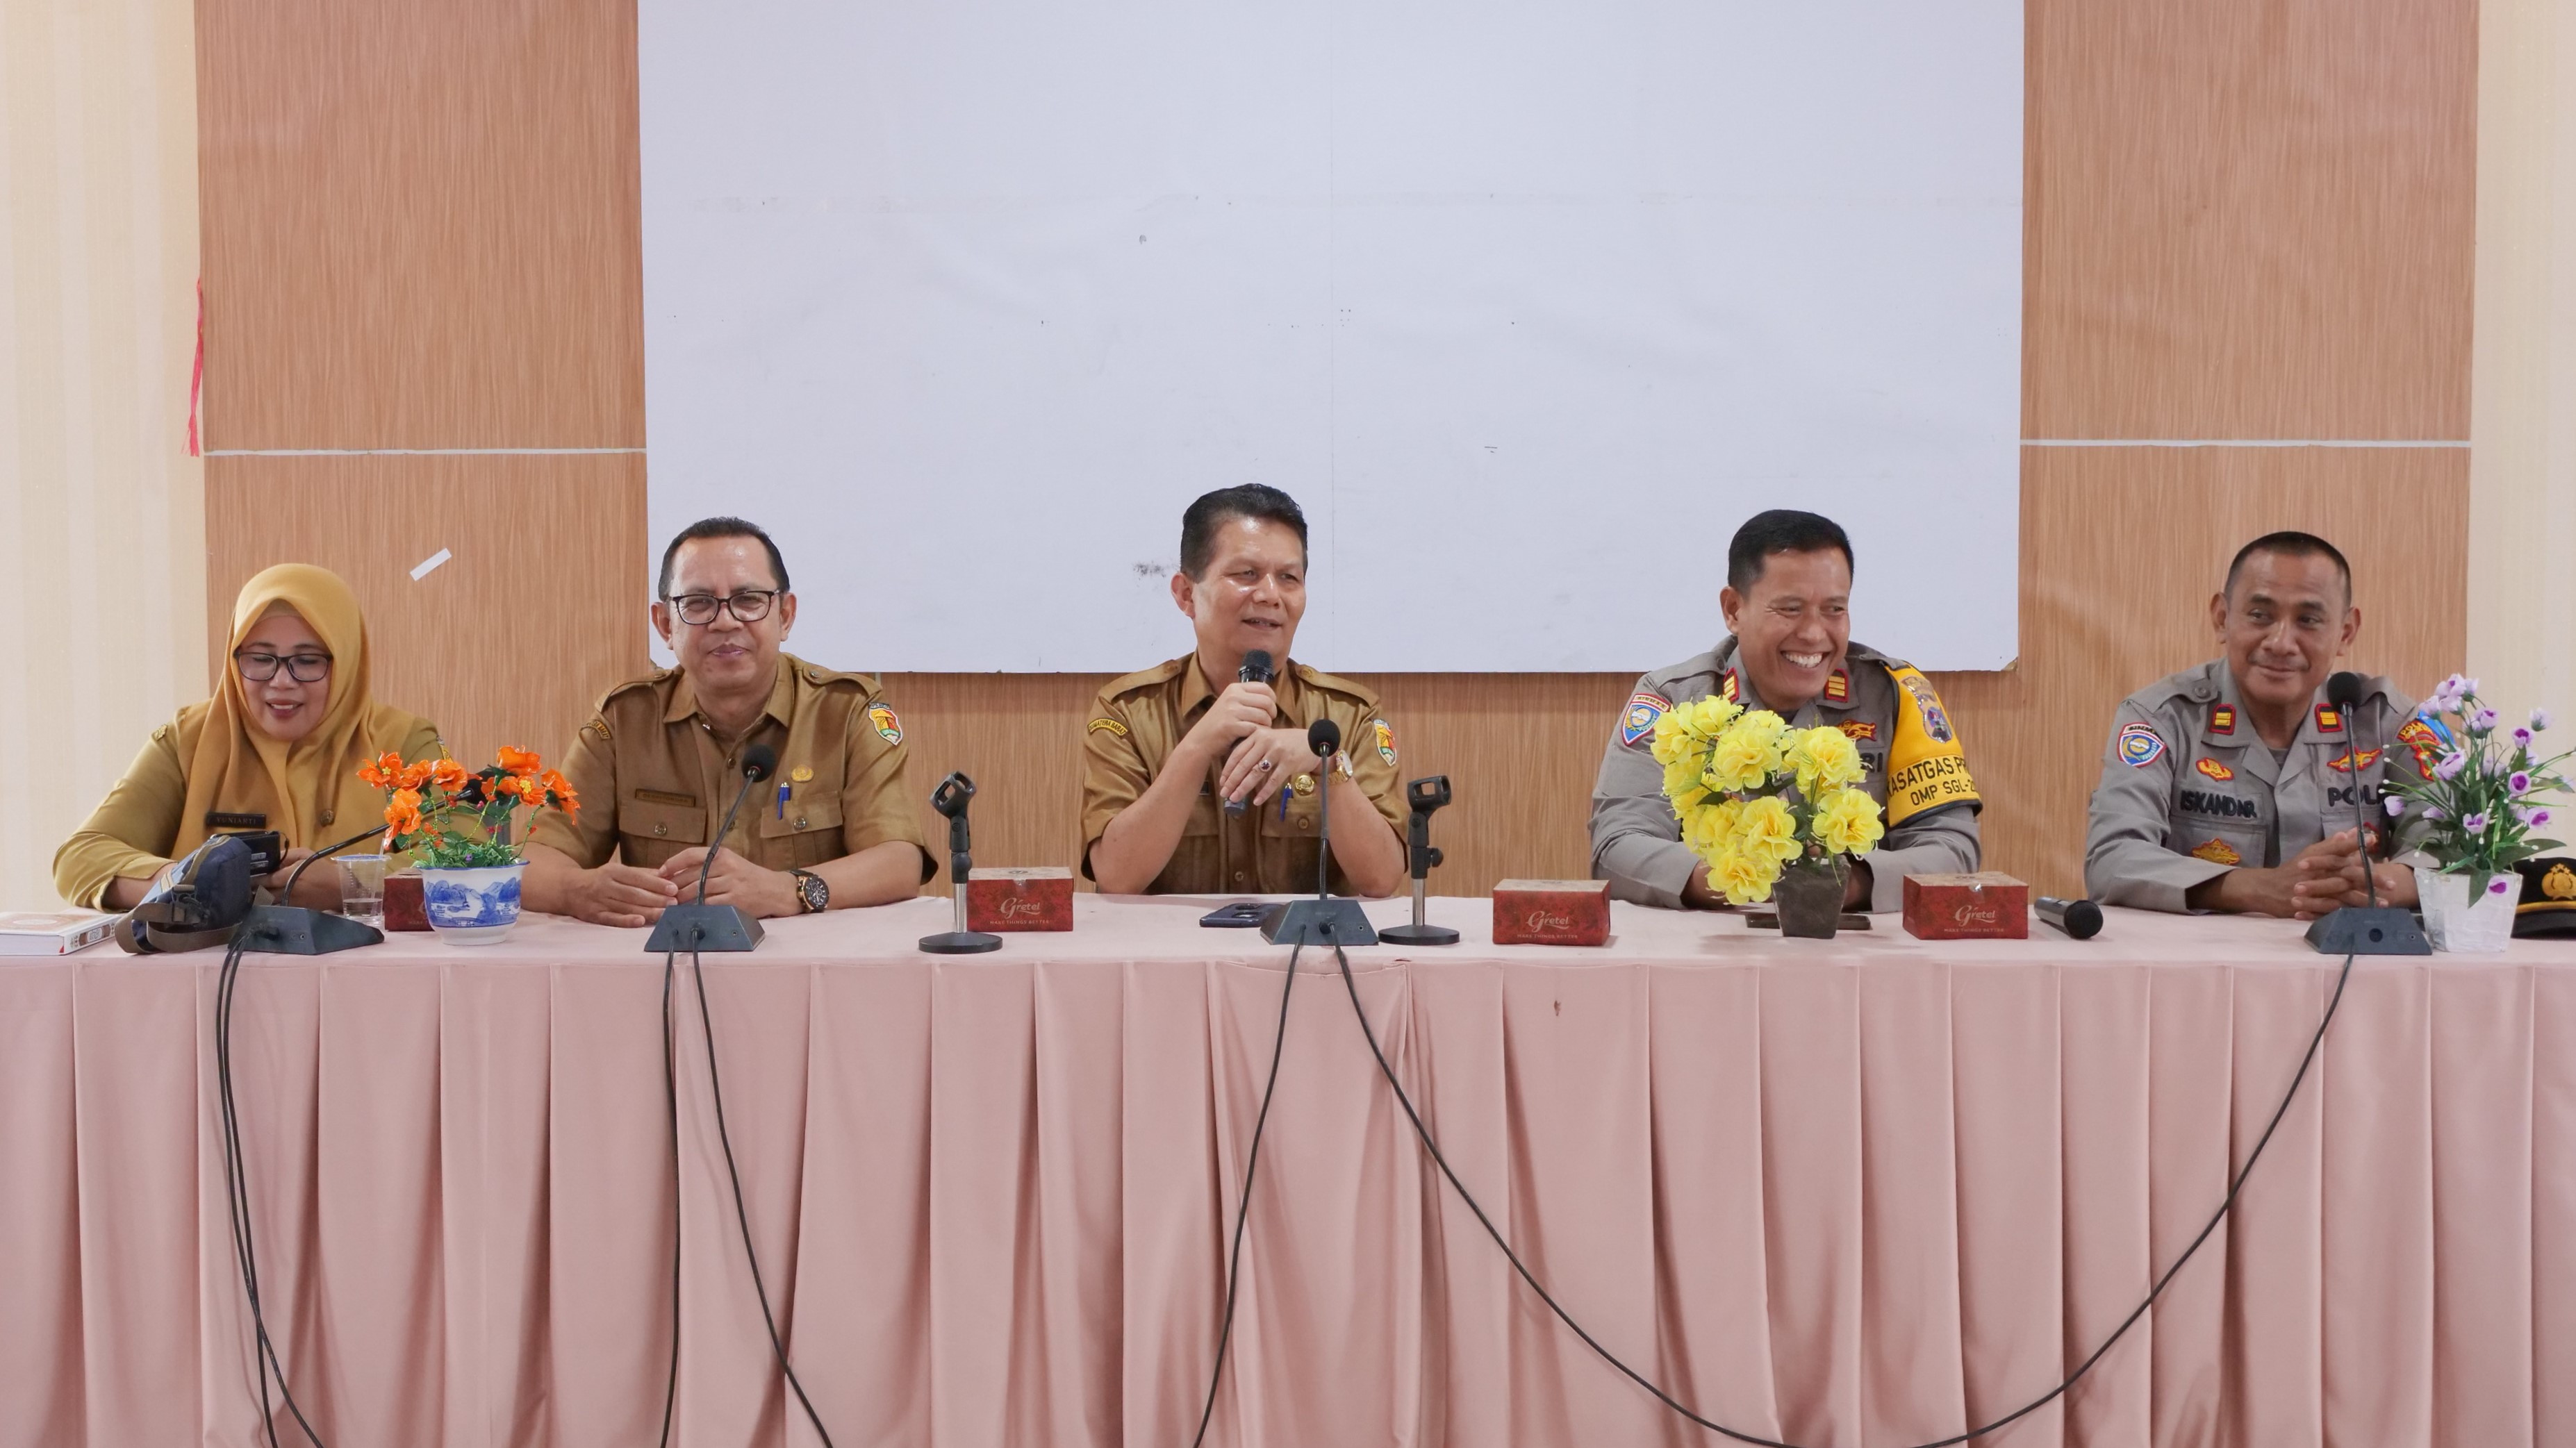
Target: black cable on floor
{"x": 1667, "y": 1399}
{"x": 237, "y": 1203}
{"x": 715, "y": 1088}
{"x": 671, "y": 1106}
{"x": 1243, "y": 1204}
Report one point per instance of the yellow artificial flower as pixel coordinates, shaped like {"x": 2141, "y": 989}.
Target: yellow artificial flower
{"x": 1824, "y": 759}
{"x": 1707, "y": 829}
{"x": 1710, "y": 716}
{"x": 1743, "y": 879}
{"x": 1768, "y": 831}
{"x": 1675, "y": 743}
{"x": 1846, "y": 822}
{"x": 1747, "y": 754}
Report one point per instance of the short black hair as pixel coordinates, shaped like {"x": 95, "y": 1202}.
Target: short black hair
{"x": 720, "y": 528}
{"x": 2289, "y": 543}
{"x": 1244, "y": 500}
{"x": 1781, "y": 530}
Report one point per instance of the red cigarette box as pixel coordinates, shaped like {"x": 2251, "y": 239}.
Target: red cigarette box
{"x": 404, "y": 907}
{"x": 1551, "y": 912}
{"x": 1985, "y": 906}
{"x": 1039, "y": 897}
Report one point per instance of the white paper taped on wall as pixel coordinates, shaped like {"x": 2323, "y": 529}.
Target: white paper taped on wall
{"x": 429, "y": 565}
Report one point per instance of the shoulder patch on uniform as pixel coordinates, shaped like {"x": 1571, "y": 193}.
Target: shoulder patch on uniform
{"x": 1859, "y": 729}
{"x": 2213, "y": 769}
{"x": 2352, "y": 759}
{"x": 1385, "y": 733}
{"x": 1637, "y": 721}
{"x": 597, "y": 727}
{"x": 2329, "y": 719}
{"x": 1838, "y": 686}
{"x": 2140, "y": 745}
{"x": 1936, "y": 720}
{"x": 2222, "y": 718}
{"x": 1926, "y": 767}
{"x": 2217, "y": 852}
{"x": 889, "y": 728}
{"x": 1107, "y": 725}
{"x": 2420, "y": 739}
{"x": 1726, "y": 686}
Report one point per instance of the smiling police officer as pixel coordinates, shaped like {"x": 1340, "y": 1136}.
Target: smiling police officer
{"x": 2230, "y": 786}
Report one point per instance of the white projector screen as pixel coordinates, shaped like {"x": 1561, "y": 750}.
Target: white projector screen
{"x": 1528, "y": 305}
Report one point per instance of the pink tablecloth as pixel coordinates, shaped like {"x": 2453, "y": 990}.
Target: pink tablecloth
{"x": 1852, "y": 1194}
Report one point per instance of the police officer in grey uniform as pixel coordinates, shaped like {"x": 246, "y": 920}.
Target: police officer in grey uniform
{"x": 1789, "y": 650}
{"x": 2230, "y": 786}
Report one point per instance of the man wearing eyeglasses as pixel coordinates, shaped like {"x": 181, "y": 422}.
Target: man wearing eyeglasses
{"x": 659, "y": 764}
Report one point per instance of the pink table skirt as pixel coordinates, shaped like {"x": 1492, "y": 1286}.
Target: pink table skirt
{"x": 1858, "y": 1193}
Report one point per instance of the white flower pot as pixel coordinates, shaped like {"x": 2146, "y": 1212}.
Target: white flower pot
{"x": 2458, "y": 923}
{"x": 471, "y": 907}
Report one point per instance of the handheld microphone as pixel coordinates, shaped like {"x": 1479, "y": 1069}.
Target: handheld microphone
{"x": 2080, "y": 919}
{"x": 284, "y": 929}
{"x": 1256, "y": 670}
{"x": 950, "y": 799}
{"x": 1426, "y": 796}
{"x": 699, "y": 926}
{"x": 2375, "y": 929}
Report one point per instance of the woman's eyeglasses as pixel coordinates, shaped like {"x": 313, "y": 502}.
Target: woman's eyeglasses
{"x": 259, "y": 668}
{"x": 751, "y": 606}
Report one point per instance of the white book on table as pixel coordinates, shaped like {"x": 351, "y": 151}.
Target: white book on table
{"x": 39, "y": 932}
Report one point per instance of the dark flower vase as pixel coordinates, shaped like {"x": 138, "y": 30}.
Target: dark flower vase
{"x": 1810, "y": 900}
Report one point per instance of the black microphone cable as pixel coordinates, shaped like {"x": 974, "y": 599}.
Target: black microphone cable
{"x": 1668, "y": 1400}
{"x": 671, "y": 1108}
{"x": 1243, "y": 1204}
{"x": 237, "y": 1205}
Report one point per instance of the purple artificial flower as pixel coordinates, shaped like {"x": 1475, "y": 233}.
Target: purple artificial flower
{"x": 2475, "y": 824}
{"x": 2496, "y": 886}
{"x": 2450, "y": 765}
{"x": 2483, "y": 721}
{"x": 2395, "y": 805}
{"x": 2518, "y": 782}
{"x": 2539, "y": 720}
{"x": 2531, "y": 818}
{"x": 2522, "y": 738}
{"x": 2434, "y": 812}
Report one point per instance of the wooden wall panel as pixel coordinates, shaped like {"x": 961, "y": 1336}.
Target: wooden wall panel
{"x": 421, "y": 224}
{"x": 512, "y": 641}
{"x": 2248, "y": 218}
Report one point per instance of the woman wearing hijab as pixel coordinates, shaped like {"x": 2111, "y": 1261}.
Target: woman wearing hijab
{"x": 277, "y": 748}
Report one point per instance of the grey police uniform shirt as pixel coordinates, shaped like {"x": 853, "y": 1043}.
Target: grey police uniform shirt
{"x": 1636, "y": 841}
{"x": 2189, "y": 791}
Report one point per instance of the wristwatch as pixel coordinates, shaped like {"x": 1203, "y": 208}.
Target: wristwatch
{"x": 812, "y": 895}
{"x": 1342, "y": 764}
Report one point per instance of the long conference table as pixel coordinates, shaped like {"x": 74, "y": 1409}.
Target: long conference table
{"x": 1851, "y": 1193}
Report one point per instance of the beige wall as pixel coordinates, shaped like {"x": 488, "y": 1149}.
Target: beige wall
{"x": 102, "y": 513}
{"x": 2522, "y": 412}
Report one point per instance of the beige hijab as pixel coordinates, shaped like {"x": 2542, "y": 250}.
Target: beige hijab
{"x": 233, "y": 768}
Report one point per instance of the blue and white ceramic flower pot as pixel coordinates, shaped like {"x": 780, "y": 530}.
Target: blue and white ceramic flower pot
{"x": 472, "y": 907}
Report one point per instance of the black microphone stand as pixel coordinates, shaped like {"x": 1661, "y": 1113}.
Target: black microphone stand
{"x": 1425, "y": 796}
{"x": 284, "y": 929}
{"x": 2374, "y": 929}
{"x": 1328, "y": 919}
{"x": 951, "y": 799}
{"x": 715, "y": 929}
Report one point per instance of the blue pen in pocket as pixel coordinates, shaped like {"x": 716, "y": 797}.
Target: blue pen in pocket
{"x": 782, "y": 799}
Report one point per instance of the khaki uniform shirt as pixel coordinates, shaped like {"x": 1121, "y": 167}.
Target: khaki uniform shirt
{"x": 1918, "y": 773}
{"x": 2189, "y": 790}
{"x": 655, "y": 780}
{"x": 1268, "y": 849}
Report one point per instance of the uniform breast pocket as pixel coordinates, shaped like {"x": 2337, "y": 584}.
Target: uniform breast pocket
{"x": 650, "y": 832}
{"x": 2222, "y": 826}
{"x": 807, "y": 832}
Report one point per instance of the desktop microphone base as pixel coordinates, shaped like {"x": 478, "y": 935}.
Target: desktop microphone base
{"x": 1331, "y": 921}
{"x": 707, "y": 929}
{"x": 292, "y": 930}
{"x": 2359, "y": 930}
{"x": 1417, "y": 935}
{"x": 960, "y": 942}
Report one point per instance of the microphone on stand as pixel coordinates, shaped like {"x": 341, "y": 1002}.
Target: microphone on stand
{"x": 284, "y": 929}
{"x": 1327, "y": 919}
{"x": 1425, "y": 796}
{"x": 1256, "y": 670}
{"x": 698, "y": 925}
{"x": 951, "y": 799}
{"x": 2374, "y": 929}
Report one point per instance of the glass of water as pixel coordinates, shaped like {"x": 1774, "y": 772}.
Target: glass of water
{"x": 362, "y": 888}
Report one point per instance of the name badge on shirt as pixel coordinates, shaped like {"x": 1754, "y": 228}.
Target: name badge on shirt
{"x": 217, "y": 819}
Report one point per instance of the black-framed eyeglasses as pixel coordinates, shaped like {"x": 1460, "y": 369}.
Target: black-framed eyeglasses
{"x": 259, "y": 667}
{"x": 751, "y": 605}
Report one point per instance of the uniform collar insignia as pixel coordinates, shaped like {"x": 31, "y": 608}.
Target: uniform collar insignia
{"x": 2222, "y": 718}
{"x": 1838, "y": 686}
{"x": 2329, "y": 719}
{"x": 1726, "y": 686}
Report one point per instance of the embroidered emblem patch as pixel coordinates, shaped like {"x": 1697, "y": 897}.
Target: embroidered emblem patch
{"x": 2352, "y": 759}
{"x": 1859, "y": 729}
{"x": 2214, "y": 769}
{"x": 598, "y": 725}
{"x": 2222, "y": 718}
{"x": 1109, "y": 726}
{"x": 2559, "y": 883}
{"x": 1637, "y": 725}
{"x": 1726, "y": 686}
{"x": 2329, "y": 719}
{"x": 2217, "y": 852}
{"x": 2139, "y": 745}
{"x": 1936, "y": 720}
{"x": 1385, "y": 733}
{"x": 801, "y": 773}
{"x": 1838, "y": 687}
{"x": 889, "y": 728}
{"x": 2420, "y": 738}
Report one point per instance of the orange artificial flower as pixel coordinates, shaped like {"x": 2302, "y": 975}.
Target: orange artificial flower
{"x": 413, "y": 776}
{"x": 561, "y": 789}
{"x": 381, "y": 770}
{"x": 402, "y": 813}
{"x": 509, "y": 784}
{"x": 448, "y": 775}
{"x": 518, "y": 761}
